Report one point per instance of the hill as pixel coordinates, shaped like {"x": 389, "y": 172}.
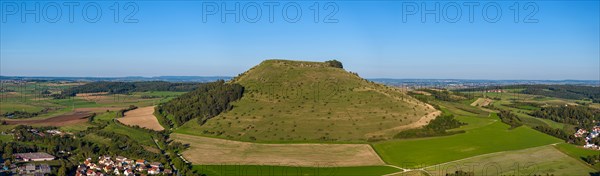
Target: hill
{"x": 312, "y": 101}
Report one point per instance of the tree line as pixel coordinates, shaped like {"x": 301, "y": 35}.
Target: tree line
{"x": 127, "y": 87}
{"x": 509, "y": 118}
{"x": 436, "y": 127}
{"x": 204, "y": 103}
{"x": 574, "y": 92}
{"x": 581, "y": 116}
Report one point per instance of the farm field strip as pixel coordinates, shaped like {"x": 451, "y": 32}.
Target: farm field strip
{"x": 537, "y": 160}
{"x": 496, "y": 137}
{"x": 212, "y": 151}
{"x": 143, "y": 117}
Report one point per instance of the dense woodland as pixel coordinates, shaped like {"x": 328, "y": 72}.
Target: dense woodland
{"x": 206, "y": 102}
{"x": 580, "y": 116}
{"x": 127, "y": 87}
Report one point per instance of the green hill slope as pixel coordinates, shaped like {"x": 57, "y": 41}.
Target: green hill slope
{"x": 312, "y": 101}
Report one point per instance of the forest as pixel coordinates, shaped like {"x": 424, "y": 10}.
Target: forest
{"x": 127, "y": 87}
{"x": 580, "y": 116}
{"x": 206, "y": 102}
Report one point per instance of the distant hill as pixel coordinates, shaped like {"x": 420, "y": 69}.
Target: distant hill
{"x": 312, "y": 101}
{"x": 120, "y": 79}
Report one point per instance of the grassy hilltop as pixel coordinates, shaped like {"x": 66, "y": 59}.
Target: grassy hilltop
{"x": 311, "y": 101}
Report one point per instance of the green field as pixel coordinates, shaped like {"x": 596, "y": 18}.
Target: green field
{"x": 538, "y": 160}
{"x": 138, "y": 135}
{"x": 260, "y": 170}
{"x": 578, "y": 152}
{"x": 429, "y": 151}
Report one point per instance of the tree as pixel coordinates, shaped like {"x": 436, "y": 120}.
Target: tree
{"x": 335, "y": 63}
{"x": 63, "y": 169}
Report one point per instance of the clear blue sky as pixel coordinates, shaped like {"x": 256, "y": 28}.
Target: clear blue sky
{"x": 371, "y": 38}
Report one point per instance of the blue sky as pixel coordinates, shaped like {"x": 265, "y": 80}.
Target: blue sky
{"x": 371, "y": 38}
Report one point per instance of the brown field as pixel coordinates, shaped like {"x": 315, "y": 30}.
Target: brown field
{"x": 143, "y": 117}
{"x": 482, "y": 102}
{"x": 61, "y": 120}
{"x": 100, "y": 96}
{"x": 205, "y": 150}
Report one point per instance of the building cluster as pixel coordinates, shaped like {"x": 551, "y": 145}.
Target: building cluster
{"x": 32, "y": 169}
{"x": 120, "y": 166}
{"x": 41, "y": 133}
{"x": 38, "y": 156}
{"x": 589, "y": 135}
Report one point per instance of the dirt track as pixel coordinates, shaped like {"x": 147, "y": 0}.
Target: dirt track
{"x": 61, "y": 120}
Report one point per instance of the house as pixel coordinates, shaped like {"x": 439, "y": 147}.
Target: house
{"x": 116, "y": 172}
{"x": 156, "y": 165}
{"x": 140, "y": 162}
{"x": 153, "y": 171}
{"x": 90, "y": 172}
{"x": 141, "y": 168}
{"x": 108, "y": 168}
{"x": 120, "y": 159}
{"x": 128, "y": 172}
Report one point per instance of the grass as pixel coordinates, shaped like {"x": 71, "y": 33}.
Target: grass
{"x": 309, "y": 101}
{"x": 263, "y": 170}
{"x": 544, "y": 160}
{"x": 429, "y": 151}
{"x": 138, "y": 135}
{"x": 578, "y": 153}
{"x": 97, "y": 139}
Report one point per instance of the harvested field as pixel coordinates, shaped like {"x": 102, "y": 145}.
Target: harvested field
{"x": 61, "y": 120}
{"x": 482, "y": 102}
{"x": 212, "y": 151}
{"x": 94, "y": 96}
{"x": 143, "y": 117}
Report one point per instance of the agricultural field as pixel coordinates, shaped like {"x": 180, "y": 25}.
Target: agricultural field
{"x": 577, "y": 152}
{"x": 537, "y": 160}
{"x": 142, "y": 117}
{"x": 494, "y": 137}
{"x": 211, "y": 151}
{"x": 262, "y": 170}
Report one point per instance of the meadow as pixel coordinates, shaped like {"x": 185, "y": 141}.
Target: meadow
{"x": 495, "y": 137}
{"x": 532, "y": 161}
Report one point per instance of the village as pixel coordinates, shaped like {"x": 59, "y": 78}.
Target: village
{"x": 38, "y": 163}
{"x": 589, "y": 136}
{"x": 105, "y": 165}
